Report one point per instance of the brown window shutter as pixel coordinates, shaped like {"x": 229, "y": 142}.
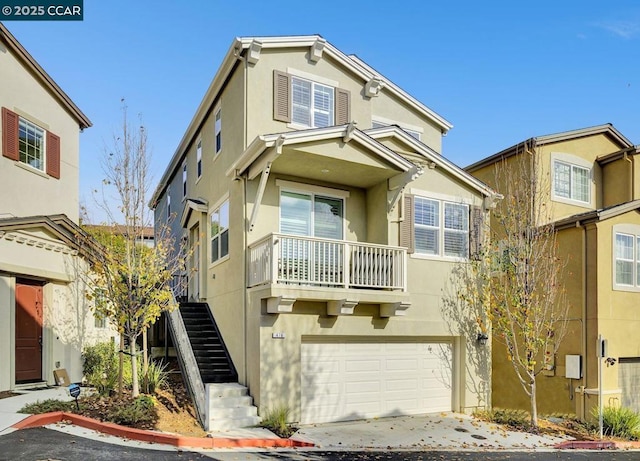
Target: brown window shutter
{"x": 53, "y": 155}
{"x": 10, "y": 144}
{"x": 407, "y": 227}
{"x": 343, "y": 106}
{"x": 476, "y": 231}
{"x": 281, "y": 96}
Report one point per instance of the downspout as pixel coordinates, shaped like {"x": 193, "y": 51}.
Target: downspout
{"x": 626, "y": 157}
{"x": 243, "y": 59}
{"x": 584, "y": 315}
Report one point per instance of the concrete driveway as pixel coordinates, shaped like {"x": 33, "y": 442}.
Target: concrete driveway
{"x": 437, "y": 431}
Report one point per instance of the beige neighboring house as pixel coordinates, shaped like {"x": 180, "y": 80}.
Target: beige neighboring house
{"x": 594, "y": 195}
{"x": 324, "y": 224}
{"x": 45, "y": 319}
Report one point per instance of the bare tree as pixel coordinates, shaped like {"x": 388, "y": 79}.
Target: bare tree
{"x": 134, "y": 277}
{"x": 516, "y": 283}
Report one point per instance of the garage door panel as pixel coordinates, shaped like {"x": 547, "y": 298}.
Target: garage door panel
{"x": 366, "y": 380}
{"x": 629, "y": 382}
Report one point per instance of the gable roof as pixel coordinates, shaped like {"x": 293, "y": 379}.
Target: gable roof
{"x": 45, "y": 79}
{"x": 340, "y": 132}
{"x": 60, "y": 226}
{"x": 251, "y": 47}
{"x": 598, "y": 215}
{"x": 607, "y": 129}
{"x": 432, "y": 157}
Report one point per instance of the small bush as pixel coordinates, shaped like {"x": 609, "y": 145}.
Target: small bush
{"x": 276, "y": 419}
{"x": 47, "y": 406}
{"x": 517, "y": 419}
{"x": 100, "y": 366}
{"x": 618, "y": 422}
{"x": 141, "y": 412}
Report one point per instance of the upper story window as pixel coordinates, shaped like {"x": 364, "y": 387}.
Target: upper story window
{"x": 220, "y": 232}
{"x": 571, "y": 182}
{"x": 309, "y": 103}
{"x": 312, "y": 103}
{"x": 626, "y": 257}
{"x": 218, "y": 129}
{"x": 199, "y": 159}
{"x": 441, "y": 228}
{"x": 168, "y": 204}
{"x": 30, "y": 144}
{"x": 184, "y": 180}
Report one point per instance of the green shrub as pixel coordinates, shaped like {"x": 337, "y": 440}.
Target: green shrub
{"x": 141, "y": 412}
{"x": 157, "y": 375}
{"x": 275, "y": 419}
{"x": 47, "y": 406}
{"x": 100, "y": 366}
{"x": 518, "y": 419}
{"x": 618, "y": 422}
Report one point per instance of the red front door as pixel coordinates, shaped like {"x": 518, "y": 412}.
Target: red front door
{"x": 28, "y": 331}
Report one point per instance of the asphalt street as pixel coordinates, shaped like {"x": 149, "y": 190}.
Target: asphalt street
{"x": 42, "y": 444}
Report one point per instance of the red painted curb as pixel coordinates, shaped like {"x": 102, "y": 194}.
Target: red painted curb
{"x": 155, "y": 437}
{"x": 596, "y": 445}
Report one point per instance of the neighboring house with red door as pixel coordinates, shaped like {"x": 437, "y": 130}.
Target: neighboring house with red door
{"x": 324, "y": 223}
{"x": 45, "y": 316}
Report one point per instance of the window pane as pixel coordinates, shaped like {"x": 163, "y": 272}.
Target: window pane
{"x": 215, "y": 251}
{"x": 624, "y": 259}
{"x": 456, "y": 244}
{"x": 218, "y": 131}
{"x": 327, "y": 215}
{"x": 426, "y": 212}
{"x": 426, "y": 240}
{"x": 224, "y": 216}
{"x": 295, "y": 213}
{"x": 322, "y": 105}
{"x": 580, "y": 186}
{"x": 224, "y": 243}
{"x": 456, "y": 217}
{"x": 301, "y": 101}
{"x": 562, "y": 180}
{"x": 31, "y": 144}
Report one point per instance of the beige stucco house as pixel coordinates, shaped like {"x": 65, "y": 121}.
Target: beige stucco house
{"x": 44, "y": 316}
{"x": 323, "y": 223}
{"x": 594, "y": 196}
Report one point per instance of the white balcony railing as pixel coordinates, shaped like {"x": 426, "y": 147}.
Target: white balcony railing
{"x": 294, "y": 260}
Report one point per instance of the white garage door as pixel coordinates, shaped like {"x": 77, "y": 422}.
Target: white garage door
{"x": 356, "y": 380}
{"x": 629, "y": 382}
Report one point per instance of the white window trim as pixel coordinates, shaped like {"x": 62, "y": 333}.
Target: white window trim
{"x": 312, "y": 77}
{"x": 632, "y": 230}
{"x": 211, "y": 210}
{"x": 199, "y": 162}
{"x": 571, "y": 160}
{"x": 313, "y": 190}
{"x": 389, "y": 122}
{"x": 216, "y": 152}
{"x": 441, "y": 198}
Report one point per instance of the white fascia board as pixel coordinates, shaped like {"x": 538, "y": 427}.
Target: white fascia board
{"x": 433, "y": 156}
{"x": 261, "y": 143}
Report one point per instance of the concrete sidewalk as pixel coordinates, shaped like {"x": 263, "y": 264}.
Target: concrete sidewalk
{"x": 10, "y": 406}
{"x": 440, "y": 431}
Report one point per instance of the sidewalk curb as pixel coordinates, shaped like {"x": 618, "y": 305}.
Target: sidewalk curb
{"x": 596, "y": 445}
{"x": 155, "y": 437}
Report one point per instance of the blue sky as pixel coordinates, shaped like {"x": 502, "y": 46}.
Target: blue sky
{"x": 499, "y": 71}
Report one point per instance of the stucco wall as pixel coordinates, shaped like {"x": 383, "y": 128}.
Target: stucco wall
{"x": 20, "y": 92}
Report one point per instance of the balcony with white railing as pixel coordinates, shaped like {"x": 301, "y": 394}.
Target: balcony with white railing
{"x": 316, "y": 262}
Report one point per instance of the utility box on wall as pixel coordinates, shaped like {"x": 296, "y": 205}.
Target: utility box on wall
{"x": 573, "y": 366}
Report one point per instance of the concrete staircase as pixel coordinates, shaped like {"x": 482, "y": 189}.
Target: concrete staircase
{"x": 230, "y": 407}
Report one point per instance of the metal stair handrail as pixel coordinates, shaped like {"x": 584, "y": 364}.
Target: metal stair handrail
{"x": 189, "y": 364}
